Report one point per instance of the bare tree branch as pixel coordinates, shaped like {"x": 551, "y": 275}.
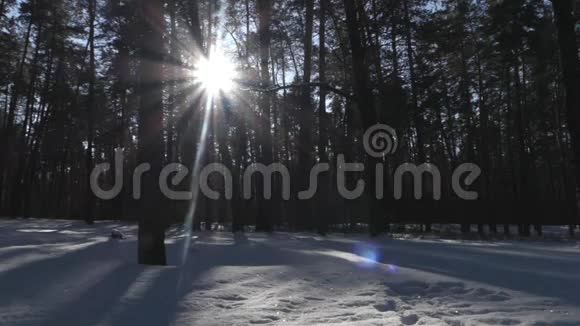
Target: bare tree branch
{"x": 326, "y": 86}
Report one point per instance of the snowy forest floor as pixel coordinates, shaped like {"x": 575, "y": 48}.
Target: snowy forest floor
{"x": 60, "y": 273}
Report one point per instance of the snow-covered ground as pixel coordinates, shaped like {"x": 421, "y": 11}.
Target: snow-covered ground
{"x": 58, "y": 273}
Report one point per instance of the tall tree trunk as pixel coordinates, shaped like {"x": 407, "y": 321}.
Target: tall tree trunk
{"x": 174, "y": 73}
{"x": 188, "y": 123}
{"x": 7, "y": 133}
{"x": 151, "y": 224}
{"x": 89, "y": 217}
{"x": 241, "y": 150}
{"x": 364, "y": 97}
{"x": 523, "y": 191}
{"x": 195, "y": 27}
{"x": 241, "y": 158}
{"x": 360, "y": 71}
{"x": 210, "y": 23}
{"x": 417, "y": 118}
{"x": 18, "y": 78}
{"x": 322, "y": 121}
{"x": 304, "y": 163}
{"x": 185, "y": 124}
{"x": 569, "y": 56}
{"x": 484, "y": 154}
{"x": 247, "y": 54}
{"x": 263, "y": 221}
{"x": 20, "y": 141}
{"x": 394, "y": 47}
{"x": 39, "y": 131}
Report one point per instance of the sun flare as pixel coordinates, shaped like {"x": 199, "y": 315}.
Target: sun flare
{"x": 216, "y": 73}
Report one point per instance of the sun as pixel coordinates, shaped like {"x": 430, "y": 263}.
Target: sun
{"x": 215, "y": 74}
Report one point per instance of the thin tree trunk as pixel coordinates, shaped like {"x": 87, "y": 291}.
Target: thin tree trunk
{"x": 89, "y": 217}
{"x": 394, "y": 48}
{"x": 263, "y": 221}
{"x": 417, "y": 118}
{"x": 174, "y": 73}
{"x": 322, "y": 121}
{"x": 19, "y": 74}
{"x": 306, "y": 123}
{"x": 523, "y": 193}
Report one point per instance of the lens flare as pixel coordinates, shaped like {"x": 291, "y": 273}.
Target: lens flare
{"x": 215, "y": 74}
{"x": 370, "y": 255}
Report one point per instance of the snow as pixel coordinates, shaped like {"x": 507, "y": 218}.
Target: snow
{"x": 66, "y": 273}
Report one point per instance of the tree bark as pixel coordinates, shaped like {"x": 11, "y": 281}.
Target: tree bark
{"x": 89, "y": 217}
{"x": 570, "y": 65}
{"x": 151, "y": 143}
{"x": 417, "y": 118}
{"x": 364, "y": 96}
{"x": 20, "y": 141}
{"x": 322, "y": 121}
{"x": 305, "y": 150}
{"x": 8, "y": 132}
{"x": 174, "y": 70}
{"x": 263, "y": 221}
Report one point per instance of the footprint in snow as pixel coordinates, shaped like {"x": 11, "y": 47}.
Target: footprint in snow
{"x": 233, "y": 297}
{"x": 410, "y": 319}
{"x": 265, "y": 320}
{"x": 313, "y": 299}
{"x": 390, "y": 305}
{"x": 500, "y": 321}
{"x": 410, "y": 288}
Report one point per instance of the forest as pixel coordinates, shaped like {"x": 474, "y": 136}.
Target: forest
{"x": 299, "y": 82}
